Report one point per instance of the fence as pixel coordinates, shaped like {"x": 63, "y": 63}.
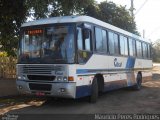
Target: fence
{"x": 8, "y": 67}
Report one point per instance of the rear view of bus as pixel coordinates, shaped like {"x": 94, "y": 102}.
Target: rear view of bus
{"x": 73, "y": 57}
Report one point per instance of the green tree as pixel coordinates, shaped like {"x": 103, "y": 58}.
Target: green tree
{"x": 93, "y": 11}
{"x": 156, "y": 51}
{"x": 111, "y": 13}
{"x": 37, "y": 8}
{"x": 51, "y": 8}
{"x": 12, "y": 14}
{"x": 69, "y": 7}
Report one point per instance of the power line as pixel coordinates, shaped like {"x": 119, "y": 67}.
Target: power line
{"x": 141, "y": 6}
{"x": 153, "y": 31}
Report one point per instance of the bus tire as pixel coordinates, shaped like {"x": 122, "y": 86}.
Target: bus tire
{"x": 94, "y": 91}
{"x": 138, "y": 82}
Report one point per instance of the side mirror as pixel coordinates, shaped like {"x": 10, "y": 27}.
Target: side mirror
{"x": 86, "y": 33}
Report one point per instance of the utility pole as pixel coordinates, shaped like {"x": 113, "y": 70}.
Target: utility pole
{"x": 132, "y": 9}
{"x": 143, "y": 33}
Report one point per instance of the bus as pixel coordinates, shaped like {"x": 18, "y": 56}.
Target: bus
{"x": 78, "y": 56}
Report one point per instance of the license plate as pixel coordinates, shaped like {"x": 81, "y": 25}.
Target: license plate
{"x": 40, "y": 93}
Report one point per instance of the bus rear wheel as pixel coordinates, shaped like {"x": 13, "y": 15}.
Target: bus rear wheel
{"x": 94, "y": 91}
{"x": 138, "y": 82}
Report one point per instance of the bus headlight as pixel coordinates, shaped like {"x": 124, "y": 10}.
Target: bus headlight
{"x": 64, "y": 78}
{"x": 19, "y": 77}
{"x": 20, "y": 87}
{"x": 59, "y": 78}
{"x": 24, "y": 78}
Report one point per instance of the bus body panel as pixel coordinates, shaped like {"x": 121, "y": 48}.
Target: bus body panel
{"x": 84, "y": 74}
{"x": 114, "y": 78}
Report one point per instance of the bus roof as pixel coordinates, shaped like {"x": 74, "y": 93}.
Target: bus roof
{"x": 70, "y": 19}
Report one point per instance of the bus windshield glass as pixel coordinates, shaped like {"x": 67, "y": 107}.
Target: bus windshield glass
{"x": 53, "y": 44}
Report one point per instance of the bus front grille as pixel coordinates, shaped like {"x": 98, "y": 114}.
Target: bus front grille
{"x": 39, "y": 69}
{"x": 41, "y": 77}
{"x": 43, "y": 87}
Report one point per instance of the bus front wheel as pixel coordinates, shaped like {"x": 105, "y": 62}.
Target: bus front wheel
{"x": 94, "y": 91}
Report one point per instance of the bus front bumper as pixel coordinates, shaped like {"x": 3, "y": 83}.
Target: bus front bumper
{"x": 65, "y": 90}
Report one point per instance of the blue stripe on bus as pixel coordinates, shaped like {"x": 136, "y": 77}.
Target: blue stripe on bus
{"x": 84, "y": 71}
{"x": 82, "y": 91}
{"x": 85, "y": 90}
{"x": 81, "y": 71}
{"x": 130, "y": 62}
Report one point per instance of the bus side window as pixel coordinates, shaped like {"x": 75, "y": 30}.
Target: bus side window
{"x": 123, "y": 45}
{"x": 132, "y": 47}
{"x": 113, "y": 43}
{"x": 100, "y": 40}
{"x": 139, "y": 49}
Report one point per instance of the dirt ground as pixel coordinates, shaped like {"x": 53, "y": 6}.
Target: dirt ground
{"x": 123, "y": 101}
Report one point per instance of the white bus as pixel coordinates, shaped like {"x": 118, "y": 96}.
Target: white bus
{"x": 77, "y": 56}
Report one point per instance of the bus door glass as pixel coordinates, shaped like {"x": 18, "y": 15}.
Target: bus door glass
{"x": 84, "y": 44}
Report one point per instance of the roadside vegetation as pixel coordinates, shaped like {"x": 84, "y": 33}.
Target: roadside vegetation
{"x": 16, "y": 13}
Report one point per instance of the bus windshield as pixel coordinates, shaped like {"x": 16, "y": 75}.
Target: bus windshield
{"x": 54, "y": 44}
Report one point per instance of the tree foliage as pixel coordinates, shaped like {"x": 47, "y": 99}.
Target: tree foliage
{"x": 50, "y": 8}
{"x": 3, "y": 54}
{"x": 14, "y": 13}
{"x": 111, "y": 13}
{"x": 156, "y": 51}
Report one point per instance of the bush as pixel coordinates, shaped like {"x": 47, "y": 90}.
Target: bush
{"x": 3, "y": 54}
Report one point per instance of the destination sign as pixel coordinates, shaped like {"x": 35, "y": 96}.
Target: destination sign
{"x": 35, "y": 31}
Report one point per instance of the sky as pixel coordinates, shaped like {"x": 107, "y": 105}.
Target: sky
{"x": 147, "y": 16}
